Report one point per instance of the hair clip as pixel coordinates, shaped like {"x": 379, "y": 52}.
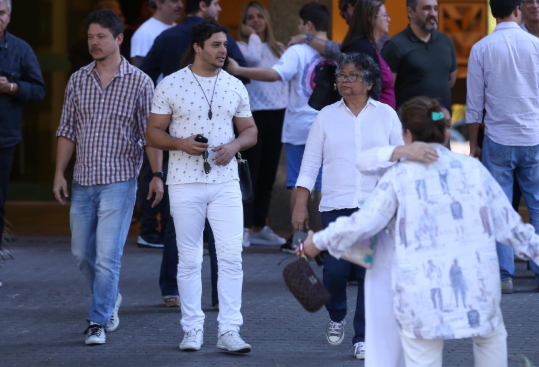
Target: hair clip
{"x": 437, "y": 116}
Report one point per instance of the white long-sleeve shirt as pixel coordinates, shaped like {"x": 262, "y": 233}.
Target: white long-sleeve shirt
{"x": 448, "y": 214}
{"x": 503, "y": 79}
{"x": 335, "y": 141}
{"x": 263, "y": 95}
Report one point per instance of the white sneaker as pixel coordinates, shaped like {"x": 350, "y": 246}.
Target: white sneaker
{"x": 335, "y": 332}
{"x": 359, "y": 350}
{"x": 114, "y": 321}
{"x": 95, "y": 334}
{"x": 232, "y": 342}
{"x": 266, "y": 237}
{"x": 246, "y": 237}
{"x": 192, "y": 340}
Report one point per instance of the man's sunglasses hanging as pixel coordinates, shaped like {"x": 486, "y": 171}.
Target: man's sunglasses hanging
{"x": 201, "y": 139}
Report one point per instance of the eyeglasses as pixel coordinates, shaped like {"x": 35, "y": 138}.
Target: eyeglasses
{"x": 342, "y": 78}
{"x": 530, "y": 2}
{"x": 386, "y": 15}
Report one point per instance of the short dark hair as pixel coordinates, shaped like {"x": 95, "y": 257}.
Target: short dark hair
{"x": 370, "y": 70}
{"x": 153, "y": 4}
{"x": 200, "y": 33}
{"x": 343, "y": 4}
{"x": 107, "y": 19}
{"x": 503, "y": 8}
{"x": 193, "y": 6}
{"x": 317, "y": 14}
{"x": 411, "y": 4}
{"x": 416, "y": 116}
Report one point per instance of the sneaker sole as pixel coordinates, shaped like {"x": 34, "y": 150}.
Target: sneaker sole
{"x": 191, "y": 349}
{"x": 507, "y": 291}
{"x": 142, "y": 243}
{"x": 242, "y": 350}
{"x": 94, "y": 342}
{"x": 360, "y": 356}
{"x": 288, "y": 251}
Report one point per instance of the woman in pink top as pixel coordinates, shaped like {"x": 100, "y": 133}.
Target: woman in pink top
{"x": 370, "y": 22}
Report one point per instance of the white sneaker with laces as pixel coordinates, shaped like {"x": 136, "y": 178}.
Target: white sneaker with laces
{"x": 192, "y": 340}
{"x": 232, "y": 342}
{"x": 246, "y": 237}
{"x": 266, "y": 237}
{"x": 335, "y": 332}
{"x": 114, "y": 321}
{"x": 359, "y": 350}
{"x": 95, "y": 334}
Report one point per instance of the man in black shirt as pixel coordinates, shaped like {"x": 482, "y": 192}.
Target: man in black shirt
{"x": 20, "y": 82}
{"x": 422, "y": 59}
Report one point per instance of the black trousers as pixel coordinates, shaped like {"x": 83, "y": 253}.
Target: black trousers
{"x": 263, "y": 161}
{"x": 6, "y": 161}
{"x": 148, "y": 215}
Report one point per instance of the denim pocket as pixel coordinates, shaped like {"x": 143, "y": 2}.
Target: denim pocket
{"x": 498, "y": 154}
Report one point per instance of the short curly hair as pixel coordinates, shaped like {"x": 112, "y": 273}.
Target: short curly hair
{"x": 371, "y": 71}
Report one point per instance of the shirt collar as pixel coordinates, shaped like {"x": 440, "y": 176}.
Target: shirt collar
{"x": 523, "y": 26}
{"x": 125, "y": 68}
{"x": 507, "y": 25}
{"x": 411, "y": 35}
{"x": 192, "y": 20}
{"x": 369, "y": 101}
{"x": 4, "y": 40}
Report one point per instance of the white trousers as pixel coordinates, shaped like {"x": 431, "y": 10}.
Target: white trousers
{"x": 383, "y": 346}
{"x": 190, "y": 204}
{"x": 489, "y": 350}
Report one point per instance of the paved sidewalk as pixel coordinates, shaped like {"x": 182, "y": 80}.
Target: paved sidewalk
{"x": 44, "y": 301}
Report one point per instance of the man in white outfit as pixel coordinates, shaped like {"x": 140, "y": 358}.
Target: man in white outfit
{"x": 203, "y": 177}
{"x": 165, "y": 16}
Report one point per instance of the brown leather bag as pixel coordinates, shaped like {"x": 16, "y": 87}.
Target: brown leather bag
{"x": 305, "y": 285}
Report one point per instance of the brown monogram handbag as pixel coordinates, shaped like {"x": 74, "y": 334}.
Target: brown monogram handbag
{"x": 304, "y": 284}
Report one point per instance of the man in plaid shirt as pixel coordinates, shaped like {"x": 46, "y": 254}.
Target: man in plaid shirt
{"x": 104, "y": 118}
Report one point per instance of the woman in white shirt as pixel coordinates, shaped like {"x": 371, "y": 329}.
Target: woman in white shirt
{"x": 440, "y": 216}
{"x": 339, "y": 133}
{"x": 268, "y": 104}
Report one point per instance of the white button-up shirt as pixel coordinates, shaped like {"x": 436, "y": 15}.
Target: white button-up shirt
{"x": 503, "y": 78}
{"x": 444, "y": 220}
{"x": 335, "y": 140}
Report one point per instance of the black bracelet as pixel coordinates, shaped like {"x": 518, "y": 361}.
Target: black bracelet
{"x": 158, "y": 174}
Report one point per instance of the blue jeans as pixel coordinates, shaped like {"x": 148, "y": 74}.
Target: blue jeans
{"x": 336, "y": 280}
{"x": 100, "y": 219}
{"x": 505, "y": 163}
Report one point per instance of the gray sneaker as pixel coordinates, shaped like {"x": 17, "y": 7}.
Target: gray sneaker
{"x": 335, "y": 332}
{"x": 507, "y": 286}
{"x": 114, "y": 321}
{"x": 231, "y": 341}
{"x": 95, "y": 334}
{"x": 266, "y": 237}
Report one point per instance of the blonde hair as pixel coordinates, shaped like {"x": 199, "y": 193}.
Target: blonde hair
{"x": 269, "y": 37}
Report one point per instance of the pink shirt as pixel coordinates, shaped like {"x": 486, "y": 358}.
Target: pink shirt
{"x": 388, "y": 88}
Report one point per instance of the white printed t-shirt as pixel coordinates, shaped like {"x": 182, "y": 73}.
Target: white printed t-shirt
{"x": 180, "y": 95}
{"x": 143, "y": 38}
{"x": 299, "y": 65}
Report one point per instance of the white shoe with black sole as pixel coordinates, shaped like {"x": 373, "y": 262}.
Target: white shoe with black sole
{"x": 114, "y": 321}
{"x": 95, "y": 334}
{"x": 231, "y": 341}
{"x": 141, "y": 242}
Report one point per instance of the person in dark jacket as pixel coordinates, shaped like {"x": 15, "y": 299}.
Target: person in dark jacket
{"x": 20, "y": 82}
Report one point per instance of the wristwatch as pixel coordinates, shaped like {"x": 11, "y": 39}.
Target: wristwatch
{"x": 158, "y": 174}
{"x": 308, "y": 38}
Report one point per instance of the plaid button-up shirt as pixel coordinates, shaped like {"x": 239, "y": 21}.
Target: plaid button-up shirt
{"x": 107, "y": 125}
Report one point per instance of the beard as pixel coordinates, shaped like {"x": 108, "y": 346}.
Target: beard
{"x": 423, "y": 24}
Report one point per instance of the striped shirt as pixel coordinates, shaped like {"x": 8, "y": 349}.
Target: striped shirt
{"x": 107, "y": 125}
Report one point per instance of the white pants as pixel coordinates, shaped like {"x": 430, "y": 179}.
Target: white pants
{"x": 489, "y": 350}
{"x": 383, "y": 346}
{"x": 222, "y": 204}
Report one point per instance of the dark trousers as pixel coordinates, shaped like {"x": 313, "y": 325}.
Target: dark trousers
{"x": 6, "y": 160}
{"x": 336, "y": 280}
{"x": 263, "y": 161}
{"x": 148, "y": 215}
{"x": 169, "y": 265}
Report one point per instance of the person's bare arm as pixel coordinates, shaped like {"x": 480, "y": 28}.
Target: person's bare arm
{"x": 137, "y": 61}
{"x": 394, "y": 78}
{"x": 318, "y": 44}
{"x": 155, "y": 157}
{"x": 452, "y": 79}
{"x": 261, "y": 74}
{"x": 473, "y": 131}
{"x": 247, "y": 136}
{"x": 157, "y": 137}
{"x": 300, "y": 217}
{"x": 416, "y": 151}
{"x": 64, "y": 152}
